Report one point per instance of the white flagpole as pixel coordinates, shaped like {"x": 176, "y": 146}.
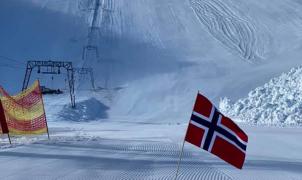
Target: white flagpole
{"x": 180, "y": 157}
{"x": 183, "y": 145}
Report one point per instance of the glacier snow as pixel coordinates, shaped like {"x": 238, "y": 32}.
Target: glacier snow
{"x": 278, "y": 102}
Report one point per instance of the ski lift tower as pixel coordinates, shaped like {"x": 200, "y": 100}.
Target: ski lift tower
{"x": 51, "y": 67}
{"x": 86, "y": 71}
{"x": 98, "y": 10}
{"x": 91, "y": 48}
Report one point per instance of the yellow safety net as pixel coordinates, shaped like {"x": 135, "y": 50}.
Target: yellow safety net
{"x": 24, "y": 113}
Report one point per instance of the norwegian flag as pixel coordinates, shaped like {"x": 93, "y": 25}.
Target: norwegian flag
{"x": 213, "y": 132}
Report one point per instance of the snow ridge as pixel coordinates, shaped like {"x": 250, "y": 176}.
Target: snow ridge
{"x": 278, "y": 102}
{"x": 236, "y": 32}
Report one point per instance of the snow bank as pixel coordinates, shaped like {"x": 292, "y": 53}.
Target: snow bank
{"x": 278, "y": 102}
{"x": 87, "y": 110}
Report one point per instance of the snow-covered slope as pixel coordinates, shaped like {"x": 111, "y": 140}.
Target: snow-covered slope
{"x": 277, "y": 102}
{"x": 154, "y": 56}
{"x": 160, "y": 53}
{"x": 236, "y": 30}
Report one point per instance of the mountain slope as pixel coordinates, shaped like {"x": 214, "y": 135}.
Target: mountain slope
{"x": 159, "y": 53}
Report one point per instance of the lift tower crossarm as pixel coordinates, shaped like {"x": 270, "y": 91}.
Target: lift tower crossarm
{"x": 53, "y": 64}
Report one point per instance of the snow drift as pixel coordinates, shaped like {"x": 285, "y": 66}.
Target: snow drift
{"x": 277, "y": 102}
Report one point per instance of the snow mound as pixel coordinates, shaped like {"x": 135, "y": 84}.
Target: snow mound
{"x": 87, "y": 110}
{"x": 278, "y": 102}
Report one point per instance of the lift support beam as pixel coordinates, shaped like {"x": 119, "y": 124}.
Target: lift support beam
{"x": 54, "y": 67}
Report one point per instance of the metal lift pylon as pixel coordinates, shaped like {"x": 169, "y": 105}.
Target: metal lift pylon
{"x": 55, "y": 67}
{"x": 86, "y": 71}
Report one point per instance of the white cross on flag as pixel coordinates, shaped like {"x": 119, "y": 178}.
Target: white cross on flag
{"x": 213, "y": 132}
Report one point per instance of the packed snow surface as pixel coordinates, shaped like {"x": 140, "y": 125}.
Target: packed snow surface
{"x": 154, "y": 57}
{"x": 127, "y": 148}
{"x": 277, "y": 102}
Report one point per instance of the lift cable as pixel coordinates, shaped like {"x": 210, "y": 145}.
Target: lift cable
{"x": 11, "y": 59}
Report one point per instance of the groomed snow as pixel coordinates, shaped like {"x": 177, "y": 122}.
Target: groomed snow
{"x": 123, "y": 149}
{"x": 155, "y": 55}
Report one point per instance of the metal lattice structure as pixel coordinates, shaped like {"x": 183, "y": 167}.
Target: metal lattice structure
{"x": 52, "y": 67}
{"x": 86, "y": 71}
{"x": 91, "y": 48}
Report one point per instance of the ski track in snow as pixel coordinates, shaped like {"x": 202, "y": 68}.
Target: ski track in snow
{"x": 135, "y": 161}
{"x": 81, "y": 155}
{"x": 72, "y": 156}
{"x": 129, "y": 150}
{"x": 236, "y": 33}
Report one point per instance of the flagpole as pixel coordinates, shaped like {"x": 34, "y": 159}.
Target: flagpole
{"x": 183, "y": 145}
{"x": 3, "y": 123}
{"x": 45, "y": 119}
{"x": 47, "y": 130}
{"x": 44, "y": 110}
{"x": 10, "y": 142}
{"x": 180, "y": 157}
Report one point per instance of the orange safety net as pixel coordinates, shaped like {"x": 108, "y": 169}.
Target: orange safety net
{"x": 3, "y": 124}
{"x": 24, "y": 113}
